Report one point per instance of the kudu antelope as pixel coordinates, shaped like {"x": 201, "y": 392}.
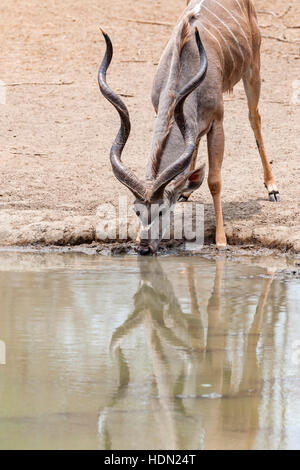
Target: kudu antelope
{"x": 187, "y": 96}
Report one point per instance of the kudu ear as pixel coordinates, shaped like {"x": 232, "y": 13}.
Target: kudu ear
{"x": 191, "y": 181}
{"x": 194, "y": 179}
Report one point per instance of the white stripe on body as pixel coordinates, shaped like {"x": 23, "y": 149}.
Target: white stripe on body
{"x": 196, "y": 10}
{"x": 229, "y": 30}
{"x": 226, "y": 44}
{"x": 234, "y": 18}
{"x": 217, "y": 40}
{"x": 243, "y": 11}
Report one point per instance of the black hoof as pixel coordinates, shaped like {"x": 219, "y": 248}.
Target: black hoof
{"x": 274, "y": 196}
{"x": 183, "y": 198}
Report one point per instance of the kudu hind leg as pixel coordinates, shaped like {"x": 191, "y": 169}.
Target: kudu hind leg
{"x": 215, "y": 145}
{"x": 252, "y": 85}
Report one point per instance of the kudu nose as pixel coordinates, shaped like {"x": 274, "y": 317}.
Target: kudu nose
{"x": 145, "y": 250}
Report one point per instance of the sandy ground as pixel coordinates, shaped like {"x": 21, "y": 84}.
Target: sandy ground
{"x": 56, "y": 129}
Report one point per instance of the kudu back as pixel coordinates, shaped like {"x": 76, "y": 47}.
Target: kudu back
{"x": 192, "y": 76}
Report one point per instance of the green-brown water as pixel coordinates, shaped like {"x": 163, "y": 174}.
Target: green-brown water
{"x": 167, "y": 353}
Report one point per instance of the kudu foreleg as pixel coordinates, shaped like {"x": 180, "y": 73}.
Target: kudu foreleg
{"x": 252, "y": 85}
{"x": 215, "y": 145}
{"x": 185, "y": 196}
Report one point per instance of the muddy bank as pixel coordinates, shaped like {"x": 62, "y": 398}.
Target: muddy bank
{"x": 45, "y": 228}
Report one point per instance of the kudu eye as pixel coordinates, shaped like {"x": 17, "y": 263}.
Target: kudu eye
{"x": 138, "y": 213}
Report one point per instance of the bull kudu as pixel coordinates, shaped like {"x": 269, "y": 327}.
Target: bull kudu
{"x": 187, "y": 96}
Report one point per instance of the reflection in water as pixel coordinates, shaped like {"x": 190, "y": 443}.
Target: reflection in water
{"x": 176, "y": 353}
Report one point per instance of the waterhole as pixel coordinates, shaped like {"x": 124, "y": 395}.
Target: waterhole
{"x": 164, "y": 353}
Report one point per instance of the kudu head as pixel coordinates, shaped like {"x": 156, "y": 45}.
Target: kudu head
{"x": 157, "y": 195}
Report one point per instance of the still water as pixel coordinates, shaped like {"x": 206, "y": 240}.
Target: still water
{"x": 166, "y": 353}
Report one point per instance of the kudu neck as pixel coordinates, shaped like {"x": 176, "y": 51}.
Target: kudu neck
{"x": 174, "y": 144}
